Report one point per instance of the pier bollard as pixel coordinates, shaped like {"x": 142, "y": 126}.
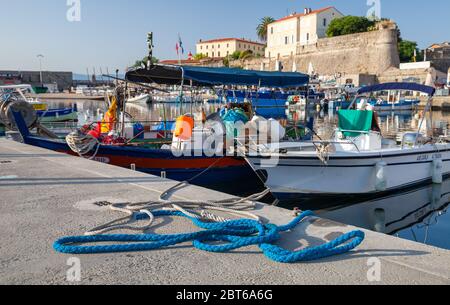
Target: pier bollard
{"x": 438, "y": 171}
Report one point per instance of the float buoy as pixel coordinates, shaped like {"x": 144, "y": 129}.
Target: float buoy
{"x": 184, "y": 127}
{"x": 380, "y": 177}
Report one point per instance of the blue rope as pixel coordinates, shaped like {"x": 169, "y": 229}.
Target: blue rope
{"x": 233, "y": 235}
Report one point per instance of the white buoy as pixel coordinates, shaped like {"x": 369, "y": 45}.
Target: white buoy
{"x": 276, "y": 131}
{"x": 437, "y": 171}
{"x": 380, "y": 176}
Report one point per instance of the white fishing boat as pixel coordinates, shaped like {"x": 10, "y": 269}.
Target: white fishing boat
{"x": 140, "y": 99}
{"x": 357, "y": 160}
{"x": 18, "y": 92}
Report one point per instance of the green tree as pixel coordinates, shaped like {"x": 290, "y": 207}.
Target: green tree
{"x": 246, "y": 55}
{"x": 143, "y": 61}
{"x": 349, "y": 25}
{"x": 226, "y": 61}
{"x": 200, "y": 56}
{"x": 261, "y": 29}
{"x": 406, "y": 50}
{"x": 236, "y": 55}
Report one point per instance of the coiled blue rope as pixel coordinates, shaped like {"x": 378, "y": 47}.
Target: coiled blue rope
{"x": 234, "y": 235}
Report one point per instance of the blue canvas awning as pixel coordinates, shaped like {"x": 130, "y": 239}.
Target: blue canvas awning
{"x": 203, "y": 76}
{"x": 398, "y": 86}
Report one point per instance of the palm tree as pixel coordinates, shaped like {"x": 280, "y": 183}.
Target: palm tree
{"x": 261, "y": 30}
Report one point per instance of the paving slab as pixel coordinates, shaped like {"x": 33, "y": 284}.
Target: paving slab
{"x": 46, "y": 195}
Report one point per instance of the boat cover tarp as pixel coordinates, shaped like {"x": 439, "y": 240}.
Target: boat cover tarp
{"x": 355, "y": 120}
{"x": 204, "y": 76}
{"x": 230, "y": 118}
{"x": 398, "y": 86}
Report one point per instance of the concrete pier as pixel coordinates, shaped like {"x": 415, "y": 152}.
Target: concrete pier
{"x": 46, "y": 195}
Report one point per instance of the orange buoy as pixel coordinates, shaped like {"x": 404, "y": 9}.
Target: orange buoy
{"x": 184, "y": 127}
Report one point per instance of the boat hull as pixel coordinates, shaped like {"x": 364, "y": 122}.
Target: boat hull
{"x": 58, "y": 115}
{"x": 298, "y": 177}
{"x": 229, "y": 174}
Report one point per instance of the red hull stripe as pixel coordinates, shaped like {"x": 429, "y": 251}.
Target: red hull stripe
{"x": 175, "y": 163}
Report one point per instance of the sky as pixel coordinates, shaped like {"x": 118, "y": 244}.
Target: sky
{"x": 112, "y": 33}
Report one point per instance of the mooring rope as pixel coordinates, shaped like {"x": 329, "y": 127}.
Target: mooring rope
{"x": 233, "y": 234}
{"x": 83, "y": 144}
{"x": 194, "y": 209}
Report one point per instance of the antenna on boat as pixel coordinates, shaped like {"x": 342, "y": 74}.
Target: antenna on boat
{"x": 150, "y": 49}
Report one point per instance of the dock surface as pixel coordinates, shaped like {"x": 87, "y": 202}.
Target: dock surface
{"x": 46, "y": 195}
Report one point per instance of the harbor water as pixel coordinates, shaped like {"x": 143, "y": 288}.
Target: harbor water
{"x": 418, "y": 214}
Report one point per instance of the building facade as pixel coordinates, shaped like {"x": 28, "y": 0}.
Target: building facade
{"x": 220, "y": 48}
{"x": 286, "y": 34}
{"x": 439, "y": 55}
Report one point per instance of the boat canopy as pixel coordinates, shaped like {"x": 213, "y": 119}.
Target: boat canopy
{"x": 203, "y": 76}
{"x": 352, "y": 122}
{"x": 398, "y": 86}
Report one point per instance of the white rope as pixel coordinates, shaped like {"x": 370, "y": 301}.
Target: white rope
{"x": 201, "y": 210}
{"x": 323, "y": 153}
{"x": 83, "y": 144}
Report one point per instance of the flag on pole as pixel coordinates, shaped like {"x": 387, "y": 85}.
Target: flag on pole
{"x": 180, "y": 44}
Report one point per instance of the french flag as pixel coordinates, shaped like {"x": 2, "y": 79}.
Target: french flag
{"x": 179, "y": 46}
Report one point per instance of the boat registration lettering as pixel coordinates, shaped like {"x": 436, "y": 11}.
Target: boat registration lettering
{"x": 423, "y": 158}
{"x": 102, "y": 160}
{"x": 427, "y": 157}
{"x": 437, "y": 156}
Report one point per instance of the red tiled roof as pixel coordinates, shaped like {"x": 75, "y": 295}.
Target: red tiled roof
{"x": 231, "y": 39}
{"x": 176, "y": 61}
{"x": 301, "y": 15}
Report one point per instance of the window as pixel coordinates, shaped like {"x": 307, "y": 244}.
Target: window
{"x": 218, "y": 46}
{"x": 207, "y": 54}
{"x": 286, "y": 40}
{"x": 218, "y": 54}
{"x": 207, "y": 47}
{"x": 307, "y": 36}
{"x": 201, "y": 47}
{"x": 271, "y": 30}
{"x": 213, "y": 46}
{"x": 324, "y": 21}
{"x": 228, "y": 45}
{"x": 212, "y": 55}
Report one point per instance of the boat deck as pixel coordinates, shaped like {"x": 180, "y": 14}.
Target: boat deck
{"x": 46, "y": 195}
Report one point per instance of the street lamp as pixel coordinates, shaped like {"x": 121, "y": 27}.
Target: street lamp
{"x": 40, "y": 56}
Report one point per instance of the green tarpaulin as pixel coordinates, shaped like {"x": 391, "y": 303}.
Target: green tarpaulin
{"x": 354, "y": 120}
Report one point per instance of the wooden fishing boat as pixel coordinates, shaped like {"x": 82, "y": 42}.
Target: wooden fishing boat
{"x": 219, "y": 171}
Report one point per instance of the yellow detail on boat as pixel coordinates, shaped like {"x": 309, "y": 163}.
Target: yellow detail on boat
{"x": 39, "y": 106}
